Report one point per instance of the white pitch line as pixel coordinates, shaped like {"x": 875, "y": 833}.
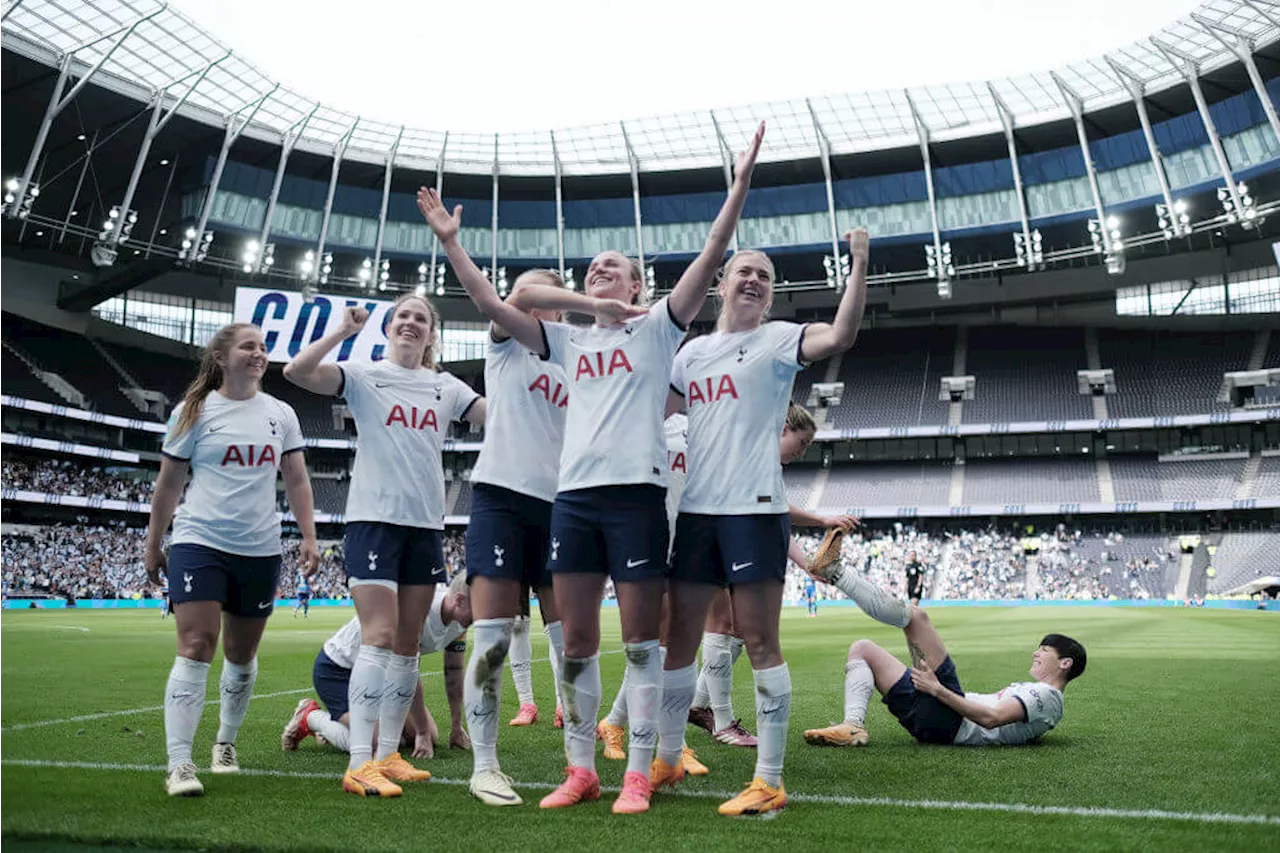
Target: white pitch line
{"x": 816, "y": 799}
{"x": 128, "y": 712}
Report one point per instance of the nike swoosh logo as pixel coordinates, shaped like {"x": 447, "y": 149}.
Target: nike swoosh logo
{"x": 631, "y": 564}
{"x": 737, "y": 567}
{"x": 438, "y": 571}
{"x": 498, "y": 795}
{"x": 263, "y": 605}
{"x": 214, "y": 429}
{"x": 383, "y": 385}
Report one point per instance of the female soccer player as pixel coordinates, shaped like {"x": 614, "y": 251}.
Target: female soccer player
{"x": 733, "y": 528}
{"x": 224, "y": 556}
{"x": 395, "y": 518}
{"x": 609, "y": 517}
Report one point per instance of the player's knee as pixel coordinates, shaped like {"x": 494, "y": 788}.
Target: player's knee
{"x": 197, "y": 645}
{"x": 919, "y": 616}
{"x": 860, "y": 649}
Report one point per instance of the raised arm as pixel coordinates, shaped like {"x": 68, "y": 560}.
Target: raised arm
{"x": 822, "y": 340}
{"x": 297, "y": 488}
{"x": 542, "y": 297}
{"x": 691, "y": 290}
{"x": 307, "y": 371}
{"x": 164, "y": 503}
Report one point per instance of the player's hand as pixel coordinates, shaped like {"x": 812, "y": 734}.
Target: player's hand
{"x": 445, "y": 225}
{"x": 422, "y": 746}
{"x": 353, "y": 320}
{"x": 458, "y": 738}
{"x": 309, "y": 557}
{"x": 745, "y": 164}
{"x": 859, "y": 243}
{"x": 925, "y": 680}
{"x": 844, "y": 522}
{"x": 154, "y": 562}
{"x": 610, "y": 311}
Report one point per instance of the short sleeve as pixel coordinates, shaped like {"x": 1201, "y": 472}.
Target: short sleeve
{"x": 354, "y": 376}
{"x": 1042, "y": 705}
{"x": 679, "y": 382}
{"x": 557, "y": 337}
{"x": 293, "y": 438}
{"x": 669, "y": 330}
{"x": 464, "y": 397}
{"x": 786, "y": 339}
{"x": 497, "y": 352}
{"x": 180, "y": 447}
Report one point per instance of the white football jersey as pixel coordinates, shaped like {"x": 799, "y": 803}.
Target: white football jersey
{"x": 618, "y": 377}
{"x": 1043, "y": 704}
{"x": 402, "y": 417}
{"x": 527, "y": 399}
{"x": 736, "y": 389}
{"x": 343, "y": 646}
{"x": 234, "y": 449}
{"x": 677, "y": 427}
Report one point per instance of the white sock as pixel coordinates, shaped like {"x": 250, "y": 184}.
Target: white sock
{"x": 183, "y": 705}
{"x": 364, "y": 699}
{"x": 736, "y": 647}
{"x": 701, "y": 698}
{"x": 235, "y": 687}
{"x": 644, "y": 696}
{"x": 717, "y": 671}
{"x": 521, "y": 657}
{"x": 338, "y": 735}
{"x": 482, "y": 688}
{"x": 580, "y": 687}
{"x": 618, "y": 713}
{"x": 773, "y": 712}
{"x": 677, "y": 693}
{"x": 859, "y": 684}
{"x": 555, "y": 651}
{"x": 397, "y": 695}
{"x": 874, "y": 601}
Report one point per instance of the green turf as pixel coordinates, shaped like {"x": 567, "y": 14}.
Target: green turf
{"x": 1178, "y": 712}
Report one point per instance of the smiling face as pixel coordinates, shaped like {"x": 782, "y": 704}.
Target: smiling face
{"x": 746, "y": 289}
{"x": 612, "y": 275}
{"x": 1047, "y": 664}
{"x": 245, "y": 356}
{"x": 411, "y": 328}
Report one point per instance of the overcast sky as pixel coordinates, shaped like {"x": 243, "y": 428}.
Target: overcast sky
{"x": 485, "y": 65}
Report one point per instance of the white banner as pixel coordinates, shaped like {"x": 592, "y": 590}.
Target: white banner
{"x": 289, "y": 324}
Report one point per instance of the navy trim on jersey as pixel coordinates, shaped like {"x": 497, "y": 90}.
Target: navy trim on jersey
{"x": 800, "y": 346}
{"x": 675, "y": 390}
{"x": 1025, "y": 715}
{"x": 545, "y": 355}
{"x": 176, "y": 458}
{"x": 294, "y": 450}
{"x": 469, "y": 405}
{"x": 342, "y": 380}
{"x": 684, "y": 327}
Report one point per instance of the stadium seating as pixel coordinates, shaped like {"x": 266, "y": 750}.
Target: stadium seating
{"x": 330, "y": 495}
{"x": 1025, "y": 375}
{"x": 1170, "y": 373}
{"x": 1024, "y": 481}
{"x": 19, "y": 381}
{"x": 1143, "y": 478}
{"x": 799, "y": 482}
{"x": 1242, "y": 557}
{"x": 891, "y": 378}
{"x": 888, "y": 484}
{"x": 1267, "y": 481}
{"x": 154, "y": 371}
{"x": 462, "y": 506}
{"x": 72, "y": 357}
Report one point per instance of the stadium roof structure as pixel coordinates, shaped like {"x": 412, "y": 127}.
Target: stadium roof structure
{"x": 146, "y": 50}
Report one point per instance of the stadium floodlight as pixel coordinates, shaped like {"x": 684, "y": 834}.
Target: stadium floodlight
{"x": 836, "y": 268}
{"x": 1175, "y": 223}
{"x": 249, "y": 257}
{"x": 420, "y": 290}
{"x": 326, "y": 267}
{"x": 650, "y": 279}
{"x": 365, "y": 273}
{"x": 440, "y": 279}
{"x": 195, "y": 247}
{"x": 268, "y": 259}
{"x": 1246, "y": 215}
{"x": 1108, "y": 243}
{"x": 502, "y": 281}
{"x": 569, "y": 283}
{"x": 307, "y": 266}
{"x": 939, "y": 264}
{"x": 1029, "y": 256}
{"x": 19, "y": 207}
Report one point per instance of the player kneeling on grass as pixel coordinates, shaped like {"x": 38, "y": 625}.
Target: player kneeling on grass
{"x": 444, "y": 630}
{"x": 927, "y": 698}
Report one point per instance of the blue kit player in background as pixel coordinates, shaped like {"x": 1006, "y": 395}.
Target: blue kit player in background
{"x": 164, "y": 601}
{"x": 223, "y": 561}
{"x": 811, "y": 596}
{"x": 304, "y": 597}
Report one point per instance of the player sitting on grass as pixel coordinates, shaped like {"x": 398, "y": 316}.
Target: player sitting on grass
{"x": 927, "y": 699}
{"x": 444, "y": 630}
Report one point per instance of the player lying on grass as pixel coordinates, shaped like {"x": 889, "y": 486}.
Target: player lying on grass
{"x": 927, "y": 698}
{"x": 444, "y": 630}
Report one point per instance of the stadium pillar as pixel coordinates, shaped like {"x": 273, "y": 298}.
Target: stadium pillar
{"x": 555, "y": 159}
{"x": 382, "y": 210}
{"x": 1242, "y": 47}
{"x": 75, "y": 195}
{"x": 1137, "y": 91}
{"x": 58, "y": 101}
{"x": 290, "y": 139}
{"x": 634, "y": 162}
{"x": 164, "y": 199}
{"x": 1076, "y": 106}
{"x": 1006, "y": 121}
{"x": 435, "y": 241}
{"x": 493, "y": 248}
{"x": 234, "y": 129}
{"x": 824, "y": 152}
{"x": 1186, "y": 66}
{"x": 726, "y": 159}
{"x": 159, "y": 119}
{"x": 922, "y": 133}
{"x": 339, "y": 151}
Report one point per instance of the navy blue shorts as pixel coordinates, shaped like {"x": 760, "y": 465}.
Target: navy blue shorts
{"x": 923, "y": 716}
{"x": 620, "y": 531}
{"x": 730, "y": 549}
{"x": 377, "y": 552}
{"x": 508, "y": 536}
{"x": 330, "y": 682}
{"x": 245, "y": 586}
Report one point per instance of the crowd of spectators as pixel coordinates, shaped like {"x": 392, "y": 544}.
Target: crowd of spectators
{"x": 77, "y": 478}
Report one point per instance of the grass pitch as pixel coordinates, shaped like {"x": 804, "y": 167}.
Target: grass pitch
{"x": 1168, "y": 743}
